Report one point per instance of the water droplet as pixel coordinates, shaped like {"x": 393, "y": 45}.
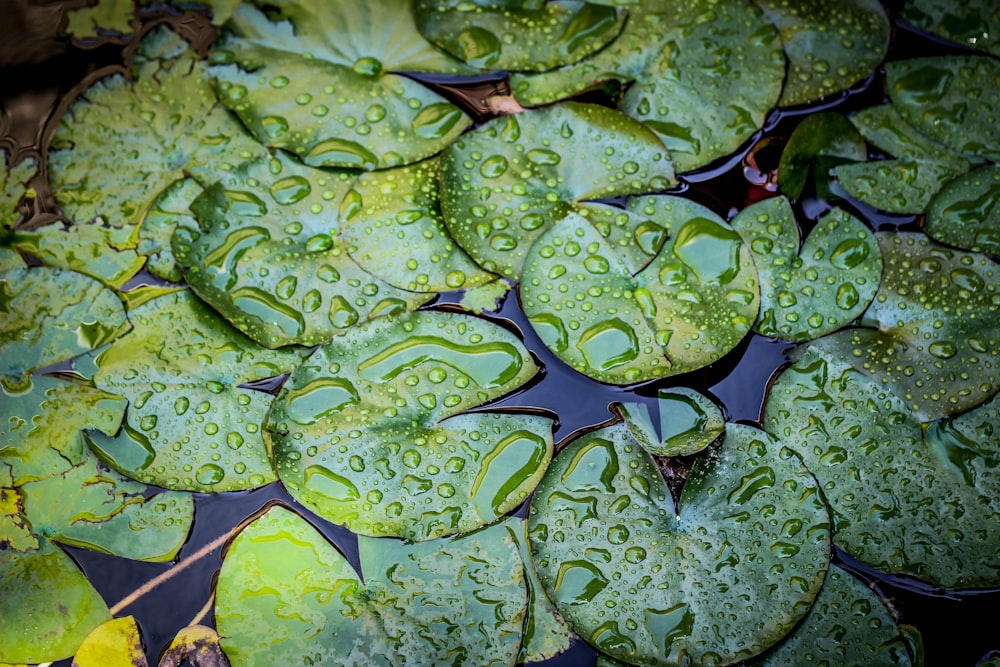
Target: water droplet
{"x": 488, "y": 364}
{"x": 260, "y": 304}
{"x": 650, "y": 237}
{"x": 342, "y": 314}
{"x": 849, "y": 253}
{"x": 506, "y": 469}
{"x": 478, "y": 47}
{"x": 543, "y": 157}
{"x": 608, "y": 344}
{"x": 667, "y": 625}
{"x": 246, "y": 204}
{"x": 551, "y": 330}
{"x": 435, "y": 121}
{"x": 319, "y": 399}
{"x": 290, "y": 190}
{"x": 847, "y": 296}
{"x": 593, "y": 468}
{"x": 330, "y": 485}
{"x": 750, "y": 485}
{"x": 368, "y": 66}
{"x": 493, "y": 167}
{"x": 340, "y": 153}
{"x": 578, "y": 582}
{"x": 209, "y": 474}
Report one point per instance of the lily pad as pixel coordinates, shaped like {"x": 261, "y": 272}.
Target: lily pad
{"x": 689, "y": 306}
{"x": 117, "y": 16}
{"x": 507, "y": 182}
{"x": 116, "y": 643}
{"x": 819, "y": 287}
{"x": 194, "y": 645}
{"x": 704, "y": 75}
{"x": 86, "y": 248}
{"x": 170, "y": 209}
{"x": 953, "y": 100}
{"x": 819, "y": 143}
{"x": 975, "y": 23}
{"x": 515, "y": 35}
{"x": 899, "y": 491}
{"x": 267, "y": 253}
{"x": 191, "y": 424}
{"x": 930, "y": 335}
{"x": 286, "y": 596}
{"x": 689, "y": 422}
{"x": 965, "y": 213}
{"x": 367, "y": 432}
{"x": 718, "y": 579}
{"x": 326, "y": 86}
{"x": 830, "y": 46}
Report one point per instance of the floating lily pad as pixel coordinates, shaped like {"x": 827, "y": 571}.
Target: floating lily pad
{"x": 507, "y": 182}
{"x": 13, "y": 186}
{"x": 116, "y": 643}
{"x": 932, "y": 334}
{"x": 830, "y": 46}
{"x": 515, "y": 35}
{"x": 86, "y": 248}
{"x": 170, "y": 209}
{"x": 965, "y": 213}
{"x": 117, "y": 16}
{"x": 367, "y": 432}
{"x": 194, "y": 645}
{"x": 720, "y": 578}
{"x": 819, "y": 287}
{"x": 688, "y": 307}
{"x": 689, "y": 422}
{"x": 325, "y": 85}
{"x": 267, "y": 254}
{"x": 286, "y": 596}
{"x": 975, "y": 23}
{"x": 191, "y": 425}
{"x": 954, "y": 100}
{"x": 900, "y": 491}
{"x": 819, "y": 143}
{"x": 703, "y": 74}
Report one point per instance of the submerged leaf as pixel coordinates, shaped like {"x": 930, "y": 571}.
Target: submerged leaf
{"x": 821, "y": 141}
{"x": 973, "y": 23}
{"x": 116, "y": 643}
{"x": 966, "y": 212}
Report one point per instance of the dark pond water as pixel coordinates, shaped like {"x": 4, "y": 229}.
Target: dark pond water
{"x": 39, "y": 71}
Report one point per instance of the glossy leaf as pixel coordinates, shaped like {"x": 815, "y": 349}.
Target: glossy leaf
{"x": 689, "y": 422}
{"x": 507, "y": 182}
{"x": 286, "y": 596}
{"x": 975, "y": 23}
{"x": 686, "y": 308}
{"x": 930, "y": 335}
{"x": 720, "y": 578}
{"x": 820, "y": 142}
{"x": 190, "y": 423}
{"x": 965, "y": 213}
{"x": 324, "y": 84}
{"x": 811, "y": 289}
{"x": 515, "y": 35}
{"x": 546, "y": 632}
{"x": 368, "y": 431}
{"x": 116, "y": 643}
{"x": 899, "y": 491}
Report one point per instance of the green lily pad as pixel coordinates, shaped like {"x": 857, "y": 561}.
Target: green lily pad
{"x": 117, "y": 16}
{"x": 899, "y": 491}
{"x": 367, "y": 432}
{"x": 191, "y": 425}
{"x": 819, "y": 143}
{"x": 718, "y": 579}
{"x": 286, "y": 596}
{"x": 814, "y": 289}
{"x": 975, "y": 23}
{"x": 689, "y": 422}
{"x": 507, "y": 182}
{"x": 86, "y": 248}
{"x": 546, "y": 632}
{"x": 325, "y": 85}
{"x": 907, "y": 183}
{"x": 847, "y": 625}
{"x": 953, "y": 100}
{"x": 170, "y": 209}
{"x": 116, "y": 643}
{"x": 515, "y": 35}
{"x": 930, "y": 335}
{"x": 688, "y": 307}
{"x": 830, "y": 46}
{"x": 965, "y": 213}
{"x": 704, "y": 75}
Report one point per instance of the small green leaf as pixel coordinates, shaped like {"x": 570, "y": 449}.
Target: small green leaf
{"x": 974, "y": 23}
{"x": 689, "y": 422}
{"x": 116, "y": 643}
{"x": 821, "y": 141}
{"x": 965, "y": 213}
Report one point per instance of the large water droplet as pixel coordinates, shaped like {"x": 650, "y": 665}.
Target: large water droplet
{"x": 263, "y": 306}
{"x": 488, "y": 364}
{"x": 330, "y": 485}
{"x": 578, "y": 582}
{"x": 608, "y": 344}
{"x": 290, "y": 190}
{"x": 319, "y": 399}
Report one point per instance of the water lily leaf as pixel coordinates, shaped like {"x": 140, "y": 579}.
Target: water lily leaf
{"x": 704, "y": 75}
{"x": 285, "y": 595}
{"x": 930, "y": 335}
{"x": 116, "y": 643}
{"x": 266, "y": 254}
{"x": 907, "y": 183}
{"x": 899, "y": 491}
{"x": 195, "y": 645}
{"x": 847, "y": 625}
{"x": 515, "y": 35}
{"x": 170, "y": 209}
{"x": 830, "y": 46}
{"x": 367, "y": 432}
{"x": 952, "y": 99}
{"x": 190, "y": 424}
{"x": 116, "y": 16}
{"x": 975, "y": 23}
{"x": 965, "y": 213}
{"x": 505, "y": 183}
{"x": 619, "y": 560}
{"x": 688, "y": 307}
{"x": 86, "y": 248}
{"x": 815, "y": 289}
{"x": 55, "y": 604}
{"x": 689, "y": 422}
{"x": 821, "y": 141}
{"x": 50, "y": 315}
{"x": 325, "y": 85}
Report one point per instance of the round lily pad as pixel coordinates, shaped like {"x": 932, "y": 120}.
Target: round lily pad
{"x": 368, "y": 431}
{"x": 719, "y": 578}
{"x": 966, "y": 214}
{"x": 815, "y": 289}
{"x": 286, "y": 596}
{"x": 515, "y": 35}
{"x": 595, "y": 309}
{"x": 325, "y": 85}
{"x": 507, "y": 182}
{"x": 974, "y": 23}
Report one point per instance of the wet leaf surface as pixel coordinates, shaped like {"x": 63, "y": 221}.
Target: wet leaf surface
{"x": 820, "y": 142}
{"x": 975, "y": 23}
{"x": 965, "y": 213}
{"x": 168, "y": 211}
{"x": 689, "y": 422}
{"x": 372, "y": 431}
{"x": 285, "y": 595}
{"x": 720, "y": 578}
{"x": 814, "y": 288}
{"x": 116, "y": 643}
{"x": 325, "y": 85}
